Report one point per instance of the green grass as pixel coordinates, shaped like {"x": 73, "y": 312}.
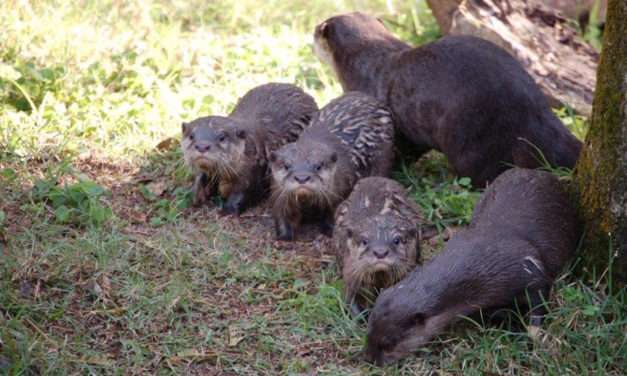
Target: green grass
{"x": 104, "y": 267}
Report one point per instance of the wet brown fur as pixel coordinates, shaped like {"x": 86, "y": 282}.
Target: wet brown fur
{"x": 523, "y": 232}
{"x": 375, "y": 214}
{"x": 236, "y": 160}
{"x": 350, "y": 138}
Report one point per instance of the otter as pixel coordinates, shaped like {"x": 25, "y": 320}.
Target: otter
{"x": 461, "y": 95}
{"x": 349, "y": 138}
{"x": 376, "y": 238}
{"x": 230, "y": 154}
{"x": 522, "y": 233}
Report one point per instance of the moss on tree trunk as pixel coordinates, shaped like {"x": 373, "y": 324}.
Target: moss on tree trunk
{"x": 601, "y": 173}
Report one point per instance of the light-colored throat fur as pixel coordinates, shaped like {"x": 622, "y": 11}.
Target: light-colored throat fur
{"x": 218, "y": 165}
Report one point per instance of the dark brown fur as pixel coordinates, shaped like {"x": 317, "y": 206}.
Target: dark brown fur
{"x": 522, "y": 234}
{"x": 230, "y": 154}
{"x": 350, "y": 138}
{"x": 461, "y": 95}
{"x": 376, "y": 238}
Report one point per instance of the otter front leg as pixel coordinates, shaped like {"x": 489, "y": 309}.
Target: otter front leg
{"x": 537, "y": 305}
{"x": 327, "y": 224}
{"x": 234, "y": 204}
{"x": 202, "y": 190}
{"x": 284, "y": 229}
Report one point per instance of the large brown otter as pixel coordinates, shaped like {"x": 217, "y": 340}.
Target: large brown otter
{"x": 230, "y": 153}
{"x": 522, "y": 233}
{"x": 461, "y": 95}
{"x": 376, "y": 238}
{"x": 350, "y": 138}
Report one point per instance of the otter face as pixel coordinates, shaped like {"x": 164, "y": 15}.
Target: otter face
{"x": 305, "y": 171}
{"x": 400, "y": 322}
{"x": 382, "y": 249}
{"x": 214, "y": 145}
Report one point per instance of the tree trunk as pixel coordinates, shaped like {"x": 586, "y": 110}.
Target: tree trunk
{"x": 546, "y": 44}
{"x": 601, "y": 173}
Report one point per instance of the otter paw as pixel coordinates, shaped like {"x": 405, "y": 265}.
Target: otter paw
{"x": 285, "y": 234}
{"x": 229, "y": 210}
{"x": 326, "y": 228}
{"x": 201, "y": 190}
{"x": 200, "y": 198}
{"x": 233, "y": 205}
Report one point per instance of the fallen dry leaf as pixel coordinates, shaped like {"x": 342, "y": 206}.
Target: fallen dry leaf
{"x": 236, "y": 335}
{"x": 157, "y": 188}
{"x": 167, "y": 144}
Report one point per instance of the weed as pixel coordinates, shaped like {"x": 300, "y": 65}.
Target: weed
{"x": 104, "y": 268}
{"x": 445, "y": 200}
{"x": 78, "y": 203}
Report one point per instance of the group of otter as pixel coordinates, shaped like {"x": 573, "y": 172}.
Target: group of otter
{"x": 460, "y": 95}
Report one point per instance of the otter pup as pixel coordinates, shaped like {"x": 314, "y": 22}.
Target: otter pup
{"x": 376, "y": 238}
{"x": 231, "y": 153}
{"x": 349, "y": 138}
{"x": 522, "y": 233}
{"x": 460, "y": 95}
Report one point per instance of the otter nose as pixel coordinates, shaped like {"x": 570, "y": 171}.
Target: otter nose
{"x": 302, "y": 179}
{"x": 203, "y": 147}
{"x": 380, "y": 252}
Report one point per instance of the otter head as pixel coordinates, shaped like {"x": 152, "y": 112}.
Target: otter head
{"x": 349, "y": 30}
{"x": 305, "y": 172}
{"x": 379, "y": 252}
{"x": 404, "y": 318}
{"x": 340, "y": 38}
{"x": 214, "y": 145}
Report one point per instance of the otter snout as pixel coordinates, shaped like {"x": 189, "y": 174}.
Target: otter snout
{"x": 380, "y": 252}
{"x": 302, "y": 178}
{"x": 202, "y": 147}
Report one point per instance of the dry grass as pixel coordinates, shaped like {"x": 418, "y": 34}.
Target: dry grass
{"x": 104, "y": 268}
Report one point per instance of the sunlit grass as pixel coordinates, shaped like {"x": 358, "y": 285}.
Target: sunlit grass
{"x": 104, "y": 268}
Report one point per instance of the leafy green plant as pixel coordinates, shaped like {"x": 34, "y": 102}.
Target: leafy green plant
{"x": 413, "y": 23}
{"x": 445, "y": 200}
{"x": 168, "y": 210}
{"x": 79, "y": 203}
{"x": 24, "y": 84}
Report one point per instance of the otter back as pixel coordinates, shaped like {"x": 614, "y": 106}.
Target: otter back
{"x": 351, "y": 137}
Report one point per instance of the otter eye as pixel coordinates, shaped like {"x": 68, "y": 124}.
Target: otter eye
{"x": 191, "y": 137}
{"x": 222, "y": 138}
{"x": 286, "y": 166}
{"x": 364, "y": 242}
{"x": 397, "y": 240}
{"x": 318, "y": 167}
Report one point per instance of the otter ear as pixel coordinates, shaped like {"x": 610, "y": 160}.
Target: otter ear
{"x": 324, "y": 29}
{"x": 334, "y": 157}
{"x": 273, "y": 157}
{"x": 240, "y": 133}
{"x": 185, "y": 128}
